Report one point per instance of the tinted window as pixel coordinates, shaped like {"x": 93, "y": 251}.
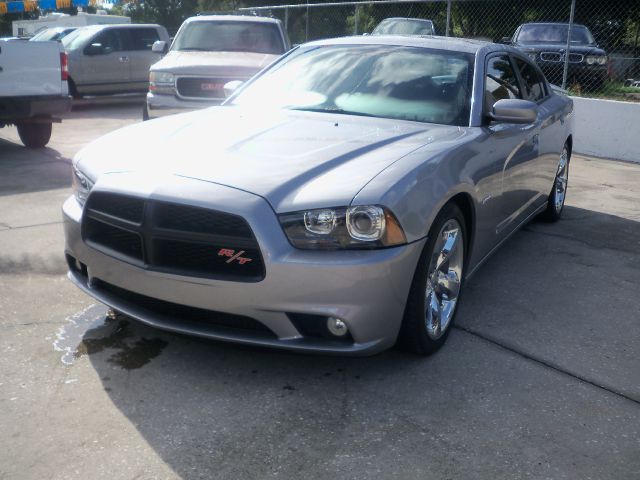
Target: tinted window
{"x": 143, "y": 38}
{"x": 78, "y": 38}
{"x": 533, "y": 82}
{"x": 387, "y": 81}
{"x": 501, "y": 81}
{"x": 554, "y": 33}
{"x": 229, "y": 37}
{"x": 110, "y": 40}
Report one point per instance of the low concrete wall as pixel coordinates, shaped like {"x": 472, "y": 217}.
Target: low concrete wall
{"x": 607, "y": 129}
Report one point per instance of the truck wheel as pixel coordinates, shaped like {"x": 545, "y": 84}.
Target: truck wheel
{"x": 35, "y": 135}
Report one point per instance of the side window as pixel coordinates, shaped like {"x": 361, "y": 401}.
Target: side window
{"x": 110, "y": 41}
{"x": 533, "y": 82}
{"x": 143, "y": 38}
{"x": 500, "y": 81}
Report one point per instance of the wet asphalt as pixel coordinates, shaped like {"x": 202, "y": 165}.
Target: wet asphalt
{"x": 540, "y": 378}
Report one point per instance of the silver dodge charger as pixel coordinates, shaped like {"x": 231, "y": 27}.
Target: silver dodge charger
{"x": 335, "y": 203}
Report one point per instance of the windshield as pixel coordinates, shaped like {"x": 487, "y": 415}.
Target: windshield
{"x": 78, "y": 38}
{"x": 554, "y": 34}
{"x": 405, "y": 83}
{"x": 404, "y": 26}
{"x": 217, "y": 36}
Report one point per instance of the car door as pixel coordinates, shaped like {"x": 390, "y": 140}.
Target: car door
{"x": 141, "y": 40}
{"x": 106, "y": 69}
{"x": 542, "y": 173}
{"x": 516, "y": 146}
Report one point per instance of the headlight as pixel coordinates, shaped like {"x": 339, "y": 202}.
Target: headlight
{"x": 366, "y": 226}
{"x": 599, "y": 59}
{"x": 81, "y": 185}
{"x": 161, "y": 82}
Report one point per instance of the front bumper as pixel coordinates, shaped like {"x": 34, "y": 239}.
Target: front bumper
{"x": 581, "y": 73}
{"x": 366, "y": 289}
{"x": 160, "y": 105}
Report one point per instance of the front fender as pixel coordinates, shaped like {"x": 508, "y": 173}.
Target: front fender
{"x": 417, "y": 187}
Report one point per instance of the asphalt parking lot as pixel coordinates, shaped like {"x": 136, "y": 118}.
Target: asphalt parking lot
{"x": 540, "y": 378}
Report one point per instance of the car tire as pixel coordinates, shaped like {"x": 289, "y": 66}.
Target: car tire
{"x": 558, "y": 195}
{"x": 436, "y": 284}
{"x": 35, "y": 135}
{"x": 145, "y": 112}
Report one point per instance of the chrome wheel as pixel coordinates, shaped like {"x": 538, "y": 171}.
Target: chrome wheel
{"x": 562, "y": 179}
{"x": 444, "y": 277}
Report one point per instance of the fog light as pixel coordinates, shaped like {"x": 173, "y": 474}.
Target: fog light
{"x": 337, "y": 327}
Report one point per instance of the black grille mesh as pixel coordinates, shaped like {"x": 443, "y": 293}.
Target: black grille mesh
{"x": 122, "y": 241}
{"x": 203, "y": 258}
{"x": 200, "y": 220}
{"x": 127, "y": 208}
{"x": 173, "y": 238}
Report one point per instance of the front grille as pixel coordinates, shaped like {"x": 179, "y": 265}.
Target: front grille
{"x": 203, "y": 259}
{"x": 576, "y": 58}
{"x": 173, "y": 238}
{"x": 114, "y": 239}
{"x": 120, "y": 206}
{"x": 200, "y": 220}
{"x": 551, "y": 57}
{"x": 185, "y": 315}
{"x": 559, "y": 57}
{"x": 201, "y": 87}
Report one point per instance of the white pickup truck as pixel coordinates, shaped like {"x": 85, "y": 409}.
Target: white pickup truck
{"x": 33, "y": 88}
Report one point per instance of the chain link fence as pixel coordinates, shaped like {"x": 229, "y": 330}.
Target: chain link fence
{"x": 599, "y": 58}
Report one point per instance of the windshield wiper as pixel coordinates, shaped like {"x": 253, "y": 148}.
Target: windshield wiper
{"x": 195, "y": 49}
{"x": 337, "y": 110}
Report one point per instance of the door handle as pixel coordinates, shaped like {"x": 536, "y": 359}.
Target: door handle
{"x": 124, "y": 59}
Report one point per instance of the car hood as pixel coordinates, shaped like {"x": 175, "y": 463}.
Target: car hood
{"x": 243, "y": 64}
{"x": 294, "y": 160}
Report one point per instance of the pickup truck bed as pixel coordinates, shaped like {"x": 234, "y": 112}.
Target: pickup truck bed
{"x": 33, "y": 88}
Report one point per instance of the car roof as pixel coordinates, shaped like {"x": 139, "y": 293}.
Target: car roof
{"x": 465, "y": 45}
{"x": 232, "y": 18}
{"x": 408, "y": 18}
{"x": 552, "y": 23}
{"x": 118, "y": 25}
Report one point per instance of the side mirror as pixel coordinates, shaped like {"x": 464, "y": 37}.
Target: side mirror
{"x": 160, "y": 46}
{"x": 94, "y": 49}
{"x": 514, "y": 111}
{"x": 231, "y": 87}
{"x": 506, "y": 40}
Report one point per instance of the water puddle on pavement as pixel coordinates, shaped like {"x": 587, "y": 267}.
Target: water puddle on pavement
{"x": 96, "y": 329}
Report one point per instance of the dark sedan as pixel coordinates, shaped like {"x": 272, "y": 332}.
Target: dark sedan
{"x": 546, "y": 44}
